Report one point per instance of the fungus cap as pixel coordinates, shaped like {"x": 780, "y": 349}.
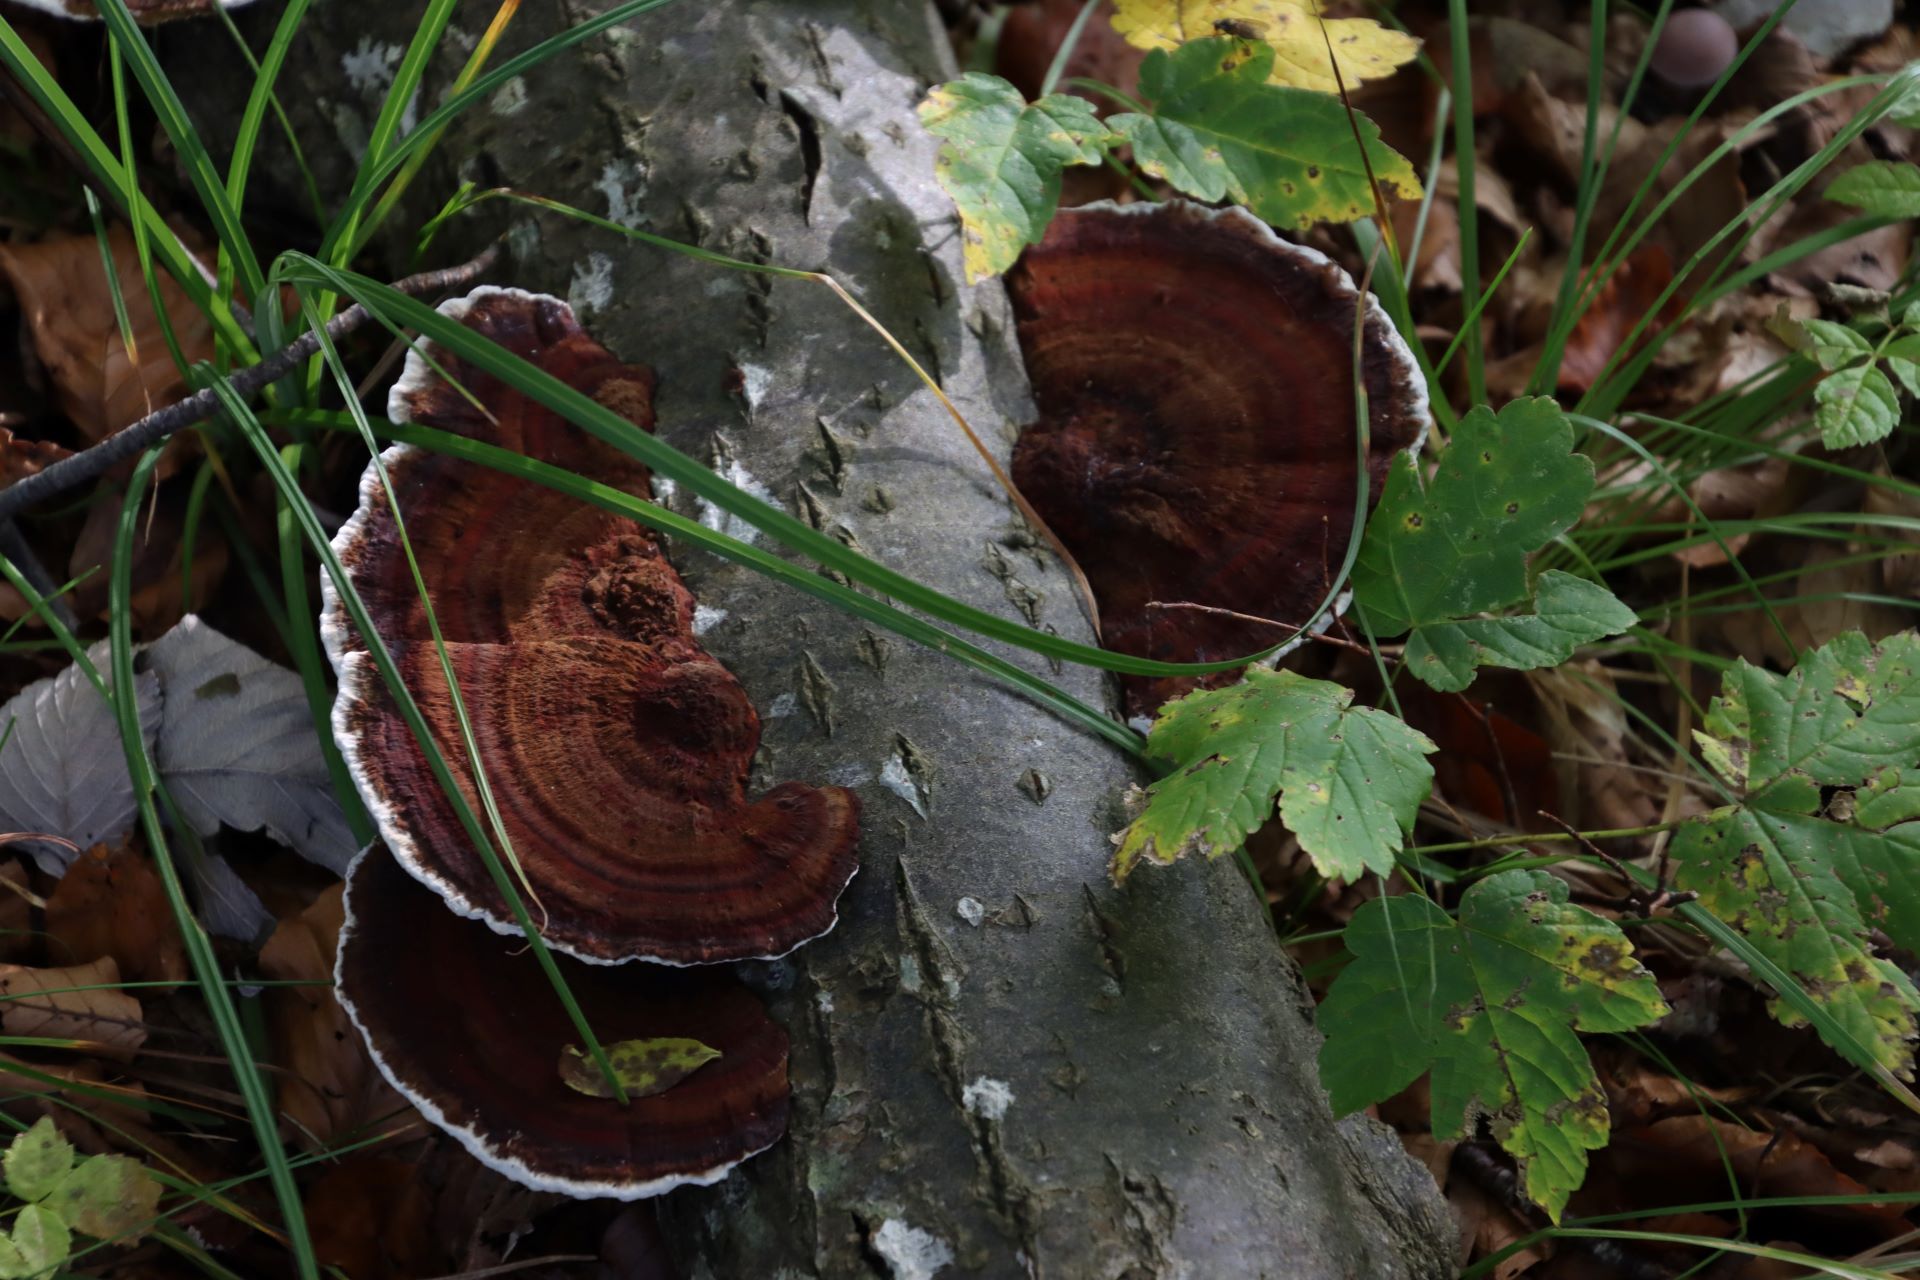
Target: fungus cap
{"x": 462, "y": 1022}
{"x": 1195, "y": 443}
{"x": 616, "y": 748}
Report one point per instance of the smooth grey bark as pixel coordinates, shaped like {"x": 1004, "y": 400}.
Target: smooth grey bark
{"x": 1002, "y": 1066}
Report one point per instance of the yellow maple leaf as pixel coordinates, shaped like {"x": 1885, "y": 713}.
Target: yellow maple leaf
{"x": 1365, "y": 49}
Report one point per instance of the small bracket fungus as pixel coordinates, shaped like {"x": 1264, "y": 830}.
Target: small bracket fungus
{"x": 616, "y": 748}
{"x": 486, "y": 1068}
{"x": 145, "y": 12}
{"x": 1195, "y": 445}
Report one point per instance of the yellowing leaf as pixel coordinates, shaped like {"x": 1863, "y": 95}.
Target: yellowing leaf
{"x": 1001, "y": 161}
{"x": 1489, "y": 1004}
{"x": 1348, "y": 780}
{"x": 645, "y": 1067}
{"x": 1363, "y": 49}
{"x": 1220, "y": 126}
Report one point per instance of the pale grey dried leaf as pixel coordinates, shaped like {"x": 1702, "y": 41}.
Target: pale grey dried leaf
{"x": 63, "y": 771}
{"x": 227, "y": 907}
{"x": 237, "y": 745}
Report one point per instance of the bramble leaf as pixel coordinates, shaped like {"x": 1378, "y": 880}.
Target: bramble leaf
{"x": 1855, "y": 406}
{"x": 1435, "y": 555}
{"x": 1218, "y": 125}
{"x": 1490, "y": 1004}
{"x": 107, "y": 1197}
{"x": 1824, "y": 844}
{"x": 1365, "y": 50}
{"x": 36, "y": 1160}
{"x": 1568, "y": 612}
{"x": 41, "y": 1238}
{"x": 1349, "y": 781}
{"x": 1884, "y": 188}
{"x": 644, "y": 1067}
{"x": 1001, "y": 161}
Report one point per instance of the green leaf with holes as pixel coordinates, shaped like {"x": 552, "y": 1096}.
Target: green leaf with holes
{"x": 645, "y": 1067}
{"x": 1490, "y": 1004}
{"x": 1822, "y": 847}
{"x": 1349, "y": 781}
{"x": 1001, "y": 161}
{"x": 1217, "y": 126}
{"x": 1440, "y": 554}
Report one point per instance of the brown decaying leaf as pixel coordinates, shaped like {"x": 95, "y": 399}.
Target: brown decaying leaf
{"x": 111, "y": 903}
{"x": 43, "y": 1002}
{"x": 332, "y": 1087}
{"x": 1621, "y": 304}
{"x": 62, "y": 288}
{"x": 158, "y": 545}
{"x": 371, "y": 1217}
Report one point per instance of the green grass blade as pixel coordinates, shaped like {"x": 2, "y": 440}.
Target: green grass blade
{"x": 199, "y": 947}
{"x": 318, "y": 540}
{"x": 399, "y": 311}
{"x": 746, "y": 554}
{"x": 430, "y": 127}
{"x": 18, "y": 60}
{"x": 132, "y": 43}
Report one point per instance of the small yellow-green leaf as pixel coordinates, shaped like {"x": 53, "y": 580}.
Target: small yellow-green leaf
{"x": 644, "y": 1067}
{"x": 42, "y": 1239}
{"x": 1001, "y": 160}
{"x": 1300, "y": 38}
{"x": 1349, "y": 781}
{"x": 1490, "y": 1004}
{"x": 36, "y": 1160}
{"x": 107, "y": 1197}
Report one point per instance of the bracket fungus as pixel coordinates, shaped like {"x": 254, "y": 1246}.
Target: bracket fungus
{"x": 1195, "y": 445}
{"x": 485, "y": 1068}
{"x": 616, "y": 748}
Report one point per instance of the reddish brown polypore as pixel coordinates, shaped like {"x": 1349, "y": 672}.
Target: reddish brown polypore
{"x": 1195, "y": 445}
{"x": 484, "y": 1066}
{"x": 616, "y": 748}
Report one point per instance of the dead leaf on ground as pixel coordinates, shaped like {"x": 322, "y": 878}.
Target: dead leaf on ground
{"x": 371, "y": 1217}
{"x": 159, "y": 547}
{"x": 111, "y": 903}
{"x": 62, "y": 287}
{"x": 1630, "y": 295}
{"x": 77, "y": 1002}
{"x": 332, "y": 1087}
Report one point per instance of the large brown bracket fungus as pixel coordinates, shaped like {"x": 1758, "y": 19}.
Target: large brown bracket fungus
{"x": 1196, "y": 445}
{"x": 616, "y": 748}
{"x": 484, "y": 1067}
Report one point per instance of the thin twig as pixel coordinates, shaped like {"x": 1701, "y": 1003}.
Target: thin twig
{"x": 94, "y": 462}
{"x": 1218, "y": 612}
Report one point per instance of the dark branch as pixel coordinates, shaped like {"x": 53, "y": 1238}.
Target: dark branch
{"x": 90, "y": 464}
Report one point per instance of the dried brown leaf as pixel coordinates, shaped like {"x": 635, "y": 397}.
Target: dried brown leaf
{"x": 77, "y": 1002}
{"x": 111, "y": 903}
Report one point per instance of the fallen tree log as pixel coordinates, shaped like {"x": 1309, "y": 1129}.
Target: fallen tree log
{"x": 1002, "y": 1065}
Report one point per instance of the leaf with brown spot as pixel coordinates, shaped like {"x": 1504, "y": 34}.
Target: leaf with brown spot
{"x": 1490, "y": 1004}
{"x": 644, "y": 1067}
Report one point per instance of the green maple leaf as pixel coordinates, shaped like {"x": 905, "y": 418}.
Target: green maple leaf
{"x": 1824, "y": 844}
{"x": 1217, "y": 127}
{"x": 1349, "y": 781}
{"x": 1489, "y": 1003}
{"x": 36, "y": 1160}
{"x": 1002, "y": 159}
{"x": 1435, "y": 555}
